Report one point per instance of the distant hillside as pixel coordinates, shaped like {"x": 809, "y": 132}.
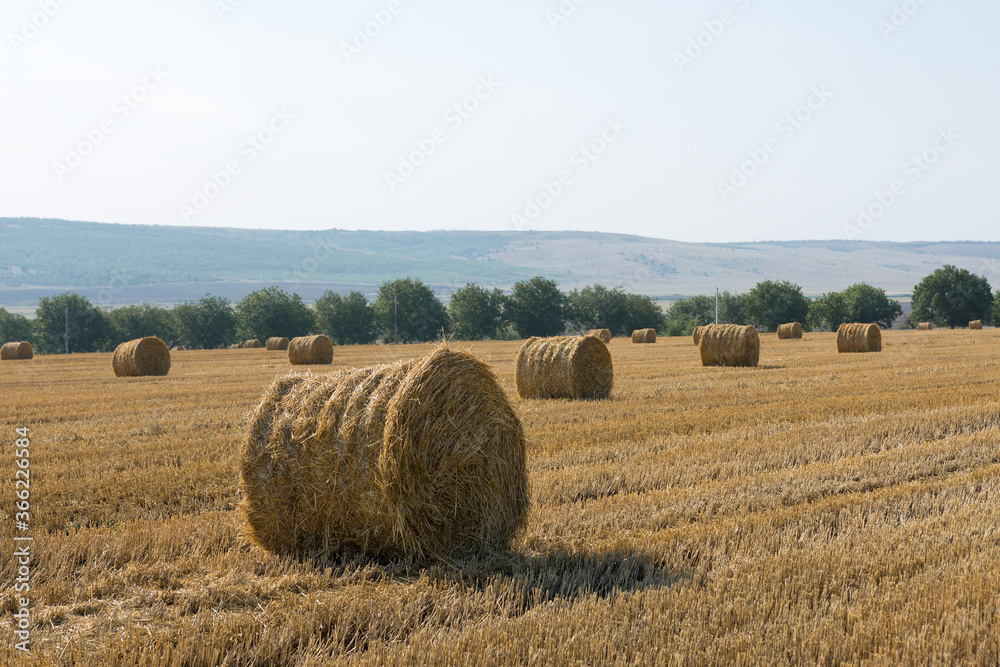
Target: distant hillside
{"x": 130, "y": 263}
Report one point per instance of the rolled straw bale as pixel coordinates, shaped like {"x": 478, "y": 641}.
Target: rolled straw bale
{"x": 142, "y": 356}
{"x": 235, "y": 346}
{"x": 603, "y": 334}
{"x": 698, "y": 331}
{"x": 857, "y": 337}
{"x": 564, "y": 367}
{"x": 925, "y": 326}
{"x": 178, "y": 348}
{"x": 17, "y": 351}
{"x": 310, "y": 350}
{"x": 729, "y": 345}
{"x": 252, "y": 344}
{"x": 423, "y": 458}
{"x": 644, "y": 336}
{"x": 789, "y": 331}
{"x": 275, "y": 343}
{"x": 976, "y": 324}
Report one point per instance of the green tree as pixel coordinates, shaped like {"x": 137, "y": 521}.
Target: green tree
{"x": 409, "y": 306}
{"x": 732, "y": 308}
{"x": 641, "y": 312}
{"x": 828, "y": 312}
{"x": 273, "y": 312}
{"x": 536, "y": 307}
{"x": 208, "y": 324}
{"x": 476, "y": 312}
{"x": 870, "y": 304}
{"x": 595, "y": 307}
{"x": 686, "y": 314}
{"x": 996, "y": 310}
{"x": 15, "y": 328}
{"x": 89, "y": 330}
{"x": 131, "y": 322}
{"x": 346, "y": 320}
{"x": 772, "y": 303}
{"x": 952, "y": 297}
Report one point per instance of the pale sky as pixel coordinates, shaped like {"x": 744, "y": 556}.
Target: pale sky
{"x": 729, "y": 120}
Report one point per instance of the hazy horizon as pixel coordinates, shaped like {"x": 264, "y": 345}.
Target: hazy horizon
{"x": 730, "y": 122}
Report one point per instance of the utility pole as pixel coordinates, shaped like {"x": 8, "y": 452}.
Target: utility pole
{"x": 66, "y": 338}
{"x": 716, "y": 304}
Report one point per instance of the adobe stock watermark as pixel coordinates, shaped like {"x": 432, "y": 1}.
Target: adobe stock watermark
{"x": 582, "y": 159}
{"x": 121, "y": 109}
{"x": 913, "y": 170}
{"x": 249, "y": 149}
{"x": 364, "y": 35}
{"x": 562, "y": 13}
{"x": 225, "y": 7}
{"x": 33, "y": 24}
{"x": 786, "y": 128}
{"x": 713, "y": 30}
{"x": 899, "y": 17}
{"x": 454, "y": 117}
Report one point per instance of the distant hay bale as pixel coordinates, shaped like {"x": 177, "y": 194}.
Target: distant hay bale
{"x": 310, "y": 350}
{"x": 277, "y": 344}
{"x": 644, "y": 336}
{"x": 925, "y": 326}
{"x": 564, "y": 367}
{"x": 235, "y": 346}
{"x": 729, "y": 345}
{"x": 19, "y": 351}
{"x": 252, "y": 344}
{"x": 698, "y": 331}
{"x": 857, "y": 337}
{"x": 789, "y": 331}
{"x": 142, "y": 356}
{"x": 976, "y": 324}
{"x": 178, "y": 348}
{"x": 603, "y": 334}
{"x": 417, "y": 459}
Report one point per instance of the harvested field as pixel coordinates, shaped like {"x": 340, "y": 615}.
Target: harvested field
{"x": 819, "y": 508}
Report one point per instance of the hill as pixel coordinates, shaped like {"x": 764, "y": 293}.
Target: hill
{"x": 114, "y": 264}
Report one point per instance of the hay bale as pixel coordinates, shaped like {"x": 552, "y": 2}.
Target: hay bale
{"x": 729, "y": 345}
{"x": 423, "y": 458}
{"x": 17, "y": 351}
{"x": 857, "y": 337}
{"x": 178, "y": 348}
{"x": 564, "y": 367}
{"x": 644, "y": 336}
{"x": 276, "y": 344}
{"x": 310, "y": 350}
{"x": 976, "y": 324}
{"x": 792, "y": 330}
{"x": 142, "y": 356}
{"x": 698, "y": 331}
{"x": 252, "y": 344}
{"x": 925, "y": 326}
{"x": 603, "y": 334}
{"x": 235, "y": 346}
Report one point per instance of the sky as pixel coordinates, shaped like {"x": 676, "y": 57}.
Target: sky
{"x": 720, "y": 121}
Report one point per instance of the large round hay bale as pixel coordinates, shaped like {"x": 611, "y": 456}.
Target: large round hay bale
{"x": 792, "y": 330}
{"x": 698, "y": 331}
{"x": 925, "y": 326}
{"x": 17, "y": 351}
{"x": 976, "y": 324}
{"x": 564, "y": 367}
{"x": 235, "y": 346}
{"x": 857, "y": 337}
{"x": 424, "y": 458}
{"x": 644, "y": 336}
{"x": 252, "y": 344}
{"x": 729, "y": 345}
{"x": 275, "y": 343}
{"x": 603, "y": 334}
{"x": 310, "y": 350}
{"x": 142, "y": 356}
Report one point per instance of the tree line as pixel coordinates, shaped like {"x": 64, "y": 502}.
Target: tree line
{"x": 404, "y": 310}
{"x": 407, "y": 310}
